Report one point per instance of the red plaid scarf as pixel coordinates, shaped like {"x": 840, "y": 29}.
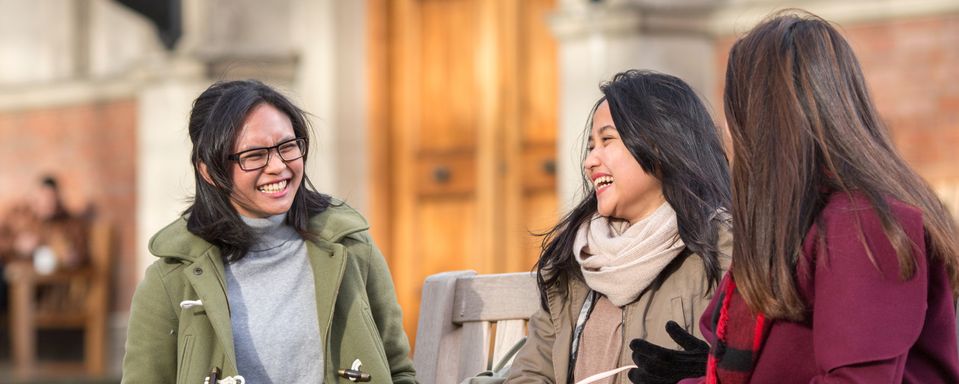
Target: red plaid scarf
{"x": 739, "y": 338}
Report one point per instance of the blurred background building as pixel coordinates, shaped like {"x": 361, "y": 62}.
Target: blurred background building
{"x": 454, "y": 125}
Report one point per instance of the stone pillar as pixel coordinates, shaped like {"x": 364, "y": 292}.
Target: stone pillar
{"x": 164, "y": 173}
{"x": 331, "y": 84}
{"x": 599, "y": 39}
{"x": 168, "y": 83}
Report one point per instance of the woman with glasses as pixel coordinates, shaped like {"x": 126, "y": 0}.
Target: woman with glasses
{"x": 262, "y": 278}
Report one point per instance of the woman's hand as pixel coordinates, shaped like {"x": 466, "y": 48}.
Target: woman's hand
{"x": 658, "y": 365}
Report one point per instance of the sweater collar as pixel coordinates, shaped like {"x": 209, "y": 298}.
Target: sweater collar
{"x": 270, "y": 232}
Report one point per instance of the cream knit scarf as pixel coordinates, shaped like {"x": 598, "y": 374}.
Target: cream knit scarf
{"x": 620, "y": 262}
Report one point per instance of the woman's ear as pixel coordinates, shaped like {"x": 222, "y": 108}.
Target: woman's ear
{"x": 206, "y": 174}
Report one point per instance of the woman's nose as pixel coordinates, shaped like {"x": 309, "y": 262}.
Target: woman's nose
{"x": 275, "y": 163}
{"x": 591, "y": 160}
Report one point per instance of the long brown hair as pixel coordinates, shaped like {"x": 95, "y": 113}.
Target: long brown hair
{"x": 802, "y": 122}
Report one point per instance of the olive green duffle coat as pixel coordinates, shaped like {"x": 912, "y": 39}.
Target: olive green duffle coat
{"x": 359, "y": 317}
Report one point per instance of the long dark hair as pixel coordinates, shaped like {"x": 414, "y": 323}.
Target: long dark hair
{"x": 215, "y": 123}
{"x": 802, "y": 123}
{"x": 669, "y": 131}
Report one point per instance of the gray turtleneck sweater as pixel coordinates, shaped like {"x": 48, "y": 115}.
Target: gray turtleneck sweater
{"x": 273, "y": 308}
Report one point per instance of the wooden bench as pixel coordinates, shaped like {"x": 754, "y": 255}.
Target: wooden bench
{"x": 468, "y": 322}
{"x": 85, "y": 307}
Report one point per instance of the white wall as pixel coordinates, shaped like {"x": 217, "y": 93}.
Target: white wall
{"x": 36, "y": 41}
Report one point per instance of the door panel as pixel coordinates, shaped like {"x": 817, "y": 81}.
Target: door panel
{"x": 448, "y": 111}
{"x": 538, "y": 110}
{"x": 540, "y": 75}
{"x": 464, "y": 101}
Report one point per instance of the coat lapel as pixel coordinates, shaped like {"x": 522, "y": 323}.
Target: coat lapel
{"x": 206, "y": 275}
{"x": 328, "y": 261}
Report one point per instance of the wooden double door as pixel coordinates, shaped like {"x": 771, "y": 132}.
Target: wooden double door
{"x": 463, "y": 134}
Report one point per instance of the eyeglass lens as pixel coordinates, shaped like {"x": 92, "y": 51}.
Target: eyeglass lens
{"x": 259, "y": 158}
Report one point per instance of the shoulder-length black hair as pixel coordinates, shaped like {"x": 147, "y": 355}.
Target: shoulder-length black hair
{"x": 669, "y": 131}
{"x": 802, "y": 122}
{"x": 215, "y": 123}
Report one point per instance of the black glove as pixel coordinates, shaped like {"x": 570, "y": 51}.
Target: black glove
{"x": 658, "y": 365}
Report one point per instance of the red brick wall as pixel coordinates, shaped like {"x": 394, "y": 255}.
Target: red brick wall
{"x": 912, "y": 68}
{"x": 91, "y": 148}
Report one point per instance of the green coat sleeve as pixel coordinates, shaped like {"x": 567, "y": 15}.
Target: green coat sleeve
{"x": 151, "y": 334}
{"x": 534, "y": 362}
{"x": 388, "y": 317}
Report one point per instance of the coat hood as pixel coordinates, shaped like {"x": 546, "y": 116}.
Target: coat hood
{"x": 339, "y": 220}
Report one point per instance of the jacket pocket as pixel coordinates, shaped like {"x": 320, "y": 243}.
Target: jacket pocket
{"x": 374, "y": 333}
{"x": 186, "y": 358}
{"x": 680, "y": 313}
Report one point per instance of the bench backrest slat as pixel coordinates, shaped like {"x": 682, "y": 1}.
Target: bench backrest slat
{"x": 468, "y": 322}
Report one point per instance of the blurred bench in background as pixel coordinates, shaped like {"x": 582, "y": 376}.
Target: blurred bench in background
{"x": 64, "y": 299}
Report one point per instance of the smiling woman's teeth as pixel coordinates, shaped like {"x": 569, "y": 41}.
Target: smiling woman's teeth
{"x": 271, "y": 188}
{"x": 602, "y": 181}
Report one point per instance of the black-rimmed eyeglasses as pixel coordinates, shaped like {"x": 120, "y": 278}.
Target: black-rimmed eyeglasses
{"x": 256, "y": 158}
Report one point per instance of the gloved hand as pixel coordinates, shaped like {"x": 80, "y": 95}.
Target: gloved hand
{"x": 658, "y": 365}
